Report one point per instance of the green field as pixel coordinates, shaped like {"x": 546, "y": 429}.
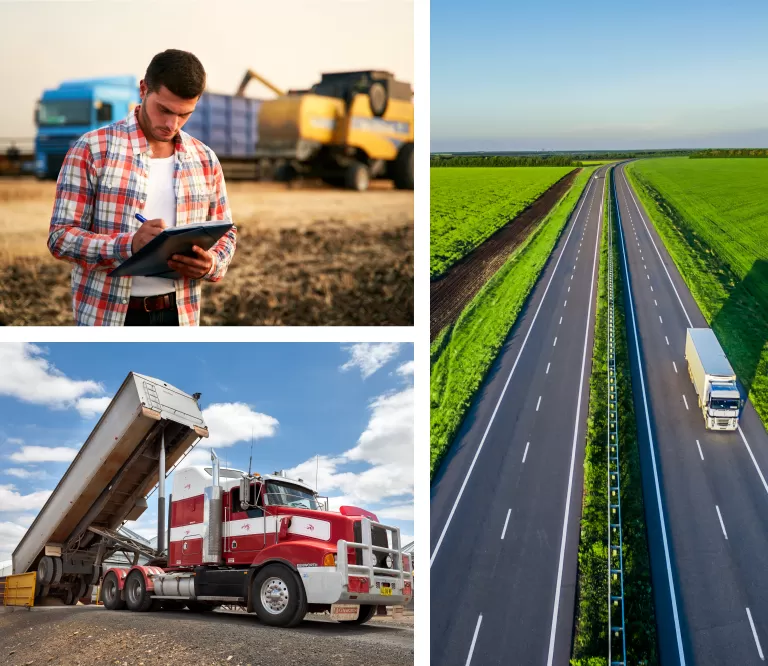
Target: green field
{"x": 713, "y": 217}
{"x": 468, "y": 204}
{"x": 463, "y": 353}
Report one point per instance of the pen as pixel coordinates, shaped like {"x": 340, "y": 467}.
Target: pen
{"x": 141, "y": 218}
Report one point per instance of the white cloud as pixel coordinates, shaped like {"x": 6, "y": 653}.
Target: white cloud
{"x": 12, "y": 500}
{"x": 10, "y": 535}
{"x": 29, "y": 377}
{"x": 90, "y": 407}
{"x": 24, "y": 519}
{"x": 369, "y": 356}
{"x": 14, "y": 440}
{"x": 386, "y": 445}
{"x": 233, "y": 422}
{"x": 406, "y": 369}
{"x": 44, "y": 454}
{"x": 396, "y": 512}
{"x": 200, "y": 455}
{"x": 21, "y": 473}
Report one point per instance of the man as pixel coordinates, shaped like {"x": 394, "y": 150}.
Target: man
{"x": 142, "y": 164}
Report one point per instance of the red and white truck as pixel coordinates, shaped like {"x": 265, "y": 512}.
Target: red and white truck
{"x": 264, "y": 542}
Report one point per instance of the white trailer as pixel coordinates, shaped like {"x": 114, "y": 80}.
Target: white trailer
{"x": 713, "y": 378}
{"x": 146, "y": 429}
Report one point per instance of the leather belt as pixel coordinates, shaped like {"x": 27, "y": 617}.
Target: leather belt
{"x": 152, "y": 303}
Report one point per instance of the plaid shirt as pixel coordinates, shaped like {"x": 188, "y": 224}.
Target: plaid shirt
{"x": 102, "y": 184}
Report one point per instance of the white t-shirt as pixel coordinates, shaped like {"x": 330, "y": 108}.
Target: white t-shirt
{"x": 161, "y": 203}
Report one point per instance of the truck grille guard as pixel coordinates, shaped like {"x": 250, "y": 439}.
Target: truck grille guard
{"x": 367, "y": 568}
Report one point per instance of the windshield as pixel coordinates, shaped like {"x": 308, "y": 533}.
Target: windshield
{"x": 64, "y": 112}
{"x": 723, "y": 403}
{"x": 287, "y": 495}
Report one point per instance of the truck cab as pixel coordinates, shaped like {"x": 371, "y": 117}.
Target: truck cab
{"x": 723, "y": 406}
{"x": 64, "y": 114}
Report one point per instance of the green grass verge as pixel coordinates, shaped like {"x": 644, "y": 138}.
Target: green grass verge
{"x": 712, "y": 215}
{"x": 463, "y": 353}
{"x": 470, "y": 204}
{"x": 590, "y": 647}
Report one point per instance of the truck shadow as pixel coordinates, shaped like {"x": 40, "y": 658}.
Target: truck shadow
{"x": 741, "y": 324}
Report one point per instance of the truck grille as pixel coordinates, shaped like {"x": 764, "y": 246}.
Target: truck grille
{"x": 378, "y": 537}
{"x": 723, "y": 423}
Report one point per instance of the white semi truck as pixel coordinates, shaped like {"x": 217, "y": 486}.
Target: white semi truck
{"x": 714, "y": 380}
{"x": 262, "y": 541}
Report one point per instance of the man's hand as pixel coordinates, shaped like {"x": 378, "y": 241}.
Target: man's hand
{"x": 192, "y": 267}
{"x": 146, "y": 233}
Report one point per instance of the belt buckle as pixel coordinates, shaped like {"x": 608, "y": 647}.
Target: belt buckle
{"x": 146, "y": 309}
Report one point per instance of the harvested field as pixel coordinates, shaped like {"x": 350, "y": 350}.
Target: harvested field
{"x": 305, "y": 256}
{"x": 450, "y": 294}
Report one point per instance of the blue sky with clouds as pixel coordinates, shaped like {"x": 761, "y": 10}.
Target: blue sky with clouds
{"x": 341, "y": 412}
{"x": 572, "y": 75}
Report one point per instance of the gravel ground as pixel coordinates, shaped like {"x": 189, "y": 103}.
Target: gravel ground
{"x": 91, "y": 635}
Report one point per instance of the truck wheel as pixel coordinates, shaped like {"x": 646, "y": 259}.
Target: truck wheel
{"x": 365, "y": 614}
{"x": 110, "y": 593}
{"x": 378, "y": 98}
{"x": 404, "y": 168}
{"x": 45, "y": 571}
{"x": 70, "y": 598}
{"x": 201, "y": 606}
{"x": 137, "y": 598}
{"x": 278, "y": 596}
{"x": 285, "y": 173}
{"x": 357, "y": 177}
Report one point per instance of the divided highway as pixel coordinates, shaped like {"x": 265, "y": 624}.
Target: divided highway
{"x": 506, "y": 502}
{"x": 706, "y": 496}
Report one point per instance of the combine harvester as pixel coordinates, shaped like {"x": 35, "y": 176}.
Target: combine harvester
{"x": 263, "y": 542}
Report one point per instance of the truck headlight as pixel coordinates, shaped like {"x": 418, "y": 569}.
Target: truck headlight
{"x": 388, "y": 561}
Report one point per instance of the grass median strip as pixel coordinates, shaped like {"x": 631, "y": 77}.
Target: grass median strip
{"x": 463, "y": 353}
{"x": 590, "y": 647}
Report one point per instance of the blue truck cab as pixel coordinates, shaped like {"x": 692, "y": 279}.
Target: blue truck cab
{"x": 65, "y": 113}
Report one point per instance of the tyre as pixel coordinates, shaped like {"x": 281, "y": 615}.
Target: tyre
{"x": 278, "y": 596}
{"x": 137, "y": 598}
{"x": 378, "y": 98}
{"x": 110, "y": 593}
{"x": 404, "y": 168}
{"x": 357, "y": 177}
{"x": 365, "y": 614}
{"x": 70, "y": 598}
{"x": 45, "y": 571}
{"x": 201, "y": 606}
{"x": 285, "y": 173}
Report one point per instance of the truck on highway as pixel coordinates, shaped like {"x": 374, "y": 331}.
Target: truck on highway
{"x": 262, "y": 541}
{"x": 714, "y": 380}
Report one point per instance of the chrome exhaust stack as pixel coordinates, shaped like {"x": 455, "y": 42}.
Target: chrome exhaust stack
{"x": 212, "y": 515}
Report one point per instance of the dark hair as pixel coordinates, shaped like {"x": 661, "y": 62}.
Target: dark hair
{"x": 179, "y": 71}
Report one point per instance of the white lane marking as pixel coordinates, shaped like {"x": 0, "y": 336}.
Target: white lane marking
{"x": 573, "y": 446}
{"x": 561, "y": 321}
{"x": 651, "y": 288}
{"x": 504, "y": 531}
{"x": 645, "y": 267}
{"x": 566, "y": 303}
{"x": 700, "y": 453}
{"x": 648, "y": 276}
{"x": 642, "y": 219}
{"x": 474, "y": 640}
{"x": 661, "y": 321}
{"x": 675, "y": 366}
{"x": 538, "y": 404}
{"x": 554, "y": 344}
{"x": 722, "y": 524}
{"x": 504, "y": 390}
{"x": 569, "y": 289}
{"x": 655, "y": 302}
{"x": 751, "y": 455}
{"x": 685, "y": 401}
{"x": 525, "y": 453}
{"x": 547, "y": 372}
{"x": 571, "y": 276}
{"x": 667, "y": 339}
{"x": 754, "y": 633}
{"x": 673, "y": 597}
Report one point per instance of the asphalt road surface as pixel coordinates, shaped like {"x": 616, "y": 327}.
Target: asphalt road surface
{"x": 506, "y": 502}
{"x": 92, "y": 635}
{"x": 709, "y": 554}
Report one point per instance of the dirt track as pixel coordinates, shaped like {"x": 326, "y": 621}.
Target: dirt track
{"x": 449, "y": 295}
{"x": 306, "y": 256}
{"x": 91, "y": 636}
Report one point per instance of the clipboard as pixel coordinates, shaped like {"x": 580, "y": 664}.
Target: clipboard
{"x": 152, "y": 259}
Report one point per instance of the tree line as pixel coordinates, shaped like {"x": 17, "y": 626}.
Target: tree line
{"x": 497, "y": 161}
{"x": 729, "y": 152}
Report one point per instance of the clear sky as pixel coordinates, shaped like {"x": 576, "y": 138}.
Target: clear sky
{"x": 290, "y": 43}
{"x": 556, "y": 74}
{"x": 351, "y": 405}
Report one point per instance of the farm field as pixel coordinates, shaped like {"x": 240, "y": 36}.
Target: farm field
{"x": 713, "y": 217}
{"x": 469, "y": 204}
{"x": 464, "y": 351}
{"x": 311, "y": 255}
